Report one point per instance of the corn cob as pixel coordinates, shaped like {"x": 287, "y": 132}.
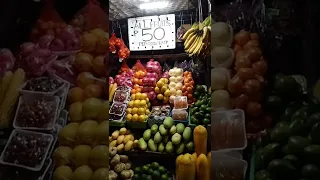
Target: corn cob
{"x": 4, "y": 84}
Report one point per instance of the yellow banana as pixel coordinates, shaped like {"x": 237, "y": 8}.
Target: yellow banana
{"x": 188, "y": 33}
{"x": 193, "y": 46}
{"x": 189, "y": 41}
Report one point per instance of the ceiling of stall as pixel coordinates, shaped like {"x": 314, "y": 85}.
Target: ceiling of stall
{"x": 122, "y": 9}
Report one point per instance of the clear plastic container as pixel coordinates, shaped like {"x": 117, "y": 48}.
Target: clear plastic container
{"x": 26, "y": 149}
{"x": 124, "y": 88}
{"x": 28, "y": 86}
{"x": 227, "y": 167}
{"x": 63, "y": 94}
{"x": 180, "y": 102}
{"x": 63, "y": 118}
{"x": 121, "y": 96}
{"x": 228, "y": 131}
{"x": 179, "y": 114}
{"x": 36, "y": 112}
{"x": 118, "y": 109}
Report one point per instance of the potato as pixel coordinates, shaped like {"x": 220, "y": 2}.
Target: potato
{"x": 113, "y": 143}
{"x": 120, "y": 148}
{"x": 128, "y": 146}
{"x": 135, "y": 143}
{"x": 120, "y": 139}
{"x": 127, "y": 138}
{"x": 128, "y": 166}
{"x": 115, "y": 160}
{"x": 123, "y": 131}
{"x": 119, "y": 167}
{"x": 115, "y": 135}
{"x": 125, "y": 174}
{"x": 124, "y": 158}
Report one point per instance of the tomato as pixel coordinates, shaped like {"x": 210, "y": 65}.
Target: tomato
{"x": 252, "y": 86}
{"x": 260, "y": 67}
{"x": 189, "y": 96}
{"x": 189, "y": 89}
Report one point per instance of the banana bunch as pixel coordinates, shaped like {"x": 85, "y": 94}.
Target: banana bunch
{"x": 197, "y": 38}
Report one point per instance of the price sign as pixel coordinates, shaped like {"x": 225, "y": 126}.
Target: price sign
{"x": 152, "y": 32}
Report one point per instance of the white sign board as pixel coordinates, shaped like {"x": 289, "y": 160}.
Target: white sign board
{"x": 152, "y": 32}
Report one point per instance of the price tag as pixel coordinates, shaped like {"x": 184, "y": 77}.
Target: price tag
{"x": 152, "y": 33}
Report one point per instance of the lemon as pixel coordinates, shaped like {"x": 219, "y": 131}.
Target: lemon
{"x": 134, "y": 110}
{"x": 129, "y": 110}
{"x": 136, "y": 103}
{"x": 163, "y": 89}
{"x": 133, "y": 97}
{"x": 131, "y": 104}
{"x": 144, "y": 96}
{"x": 165, "y": 80}
{"x": 143, "y": 103}
{"x": 141, "y": 118}
{"x": 160, "y": 96}
{"x": 147, "y": 111}
{"x": 141, "y": 111}
{"x": 167, "y": 93}
{"x": 138, "y": 95}
{"x": 147, "y": 99}
{"x": 148, "y": 104}
{"x": 135, "y": 117}
{"x": 160, "y": 84}
{"x": 157, "y": 90}
{"x": 129, "y": 117}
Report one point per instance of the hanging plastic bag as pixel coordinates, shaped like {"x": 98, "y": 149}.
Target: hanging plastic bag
{"x": 91, "y": 17}
{"x": 64, "y": 69}
{"x": 7, "y": 60}
{"x": 49, "y": 22}
{"x": 139, "y": 67}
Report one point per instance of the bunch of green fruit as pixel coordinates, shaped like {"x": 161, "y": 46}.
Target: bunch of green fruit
{"x": 167, "y": 138}
{"x": 151, "y": 171}
{"x": 200, "y": 111}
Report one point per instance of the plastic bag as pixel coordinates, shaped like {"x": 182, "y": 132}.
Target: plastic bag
{"x": 64, "y": 69}
{"x": 49, "y": 22}
{"x": 91, "y": 17}
{"x": 139, "y": 67}
{"x": 124, "y": 67}
{"x": 7, "y": 60}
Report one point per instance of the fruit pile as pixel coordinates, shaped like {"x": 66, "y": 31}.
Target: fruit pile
{"x": 200, "y": 111}
{"x": 123, "y": 140}
{"x": 162, "y": 90}
{"x": 151, "y": 171}
{"x": 175, "y": 85}
{"x": 188, "y": 86}
{"x": 120, "y": 166}
{"x": 88, "y": 132}
{"x": 116, "y": 45}
{"x": 137, "y": 81}
{"x": 197, "y": 38}
{"x": 138, "y": 107}
{"x": 167, "y": 138}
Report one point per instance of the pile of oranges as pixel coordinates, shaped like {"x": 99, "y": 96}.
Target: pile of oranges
{"x": 137, "y": 81}
{"x": 188, "y": 86}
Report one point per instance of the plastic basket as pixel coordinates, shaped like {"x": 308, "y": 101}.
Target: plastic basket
{"x": 185, "y": 122}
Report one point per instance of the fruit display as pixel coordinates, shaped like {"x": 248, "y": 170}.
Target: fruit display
{"x": 162, "y": 90}
{"x": 85, "y": 62}
{"x": 43, "y": 84}
{"x": 120, "y": 166}
{"x": 176, "y": 83}
{"x": 88, "y": 132}
{"x": 167, "y": 138}
{"x": 158, "y": 114}
{"x": 95, "y": 41}
{"x": 200, "y": 111}
{"x": 188, "y": 86}
{"x": 17, "y": 152}
{"x": 197, "y": 38}
{"x": 138, "y": 108}
{"x": 123, "y": 140}
{"x": 151, "y": 171}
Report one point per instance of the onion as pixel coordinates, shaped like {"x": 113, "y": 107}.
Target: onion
{"x": 245, "y": 73}
{"x": 45, "y": 41}
{"x": 41, "y": 53}
{"x": 260, "y": 67}
{"x": 73, "y": 44}
{"x": 67, "y": 33}
{"x": 241, "y": 101}
{"x": 242, "y": 62}
{"x": 254, "y": 108}
{"x": 242, "y": 37}
{"x": 111, "y": 80}
{"x": 152, "y": 95}
{"x": 237, "y": 48}
{"x": 152, "y": 75}
{"x": 27, "y": 48}
{"x": 252, "y": 86}
{"x": 235, "y": 85}
{"x": 56, "y": 45}
{"x": 254, "y": 54}
{"x": 165, "y": 74}
{"x": 250, "y": 44}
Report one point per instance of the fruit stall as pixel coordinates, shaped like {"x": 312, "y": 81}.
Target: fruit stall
{"x": 54, "y": 98}
{"x": 160, "y": 101}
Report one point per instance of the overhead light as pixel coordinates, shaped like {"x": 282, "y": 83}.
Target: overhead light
{"x": 154, "y": 5}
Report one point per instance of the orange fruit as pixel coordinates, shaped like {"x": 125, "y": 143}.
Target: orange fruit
{"x": 76, "y": 94}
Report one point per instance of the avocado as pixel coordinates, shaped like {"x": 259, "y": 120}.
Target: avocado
{"x": 280, "y": 168}
{"x": 301, "y": 113}
{"x": 180, "y": 148}
{"x": 208, "y": 115}
{"x": 162, "y": 170}
{"x": 163, "y": 131}
{"x": 145, "y": 169}
{"x": 164, "y": 177}
{"x": 206, "y": 121}
{"x": 312, "y": 154}
{"x": 168, "y": 122}
{"x": 287, "y": 86}
{"x": 154, "y": 129}
{"x": 203, "y": 107}
{"x": 152, "y": 146}
{"x": 292, "y": 159}
{"x": 150, "y": 172}
{"x": 155, "y": 165}
{"x": 265, "y": 154}
{"x": 198, "y": 103}
{"x": 194, "y": 110}
{"x": 280, "y": 134}
{"x": 310, "y": 171}
{"x": 169, "y": 147}
{"x": 137, "y": 170}
{"x": 194, "y": 120}
{"x": 298, "y": 127}
{"x": 315, "y": 133}
{"x": 156, "y": 174}
{"x": 161, "y": 147}
{"x": 296, "y": 144}
{"x": 136, "y": 177}
{"x": 274, "y": 104}
{"x": 147, "y": 134}
{"x": 282, "y": 123}
{"x": 200, "y": 89}
{"x": 142, "y": 144}
{"x": 198, "y": 115}
{"x": 187, "y": 134}
{"x": 157, "y": 138}
{"x": 180, "y": 128}
{"x": 289, "y": 111}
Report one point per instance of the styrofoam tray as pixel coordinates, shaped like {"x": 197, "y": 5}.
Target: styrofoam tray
{"x": 26, "y": 133}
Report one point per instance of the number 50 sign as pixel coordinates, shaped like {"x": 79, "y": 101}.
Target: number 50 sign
{"x": 152, "y": 32}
